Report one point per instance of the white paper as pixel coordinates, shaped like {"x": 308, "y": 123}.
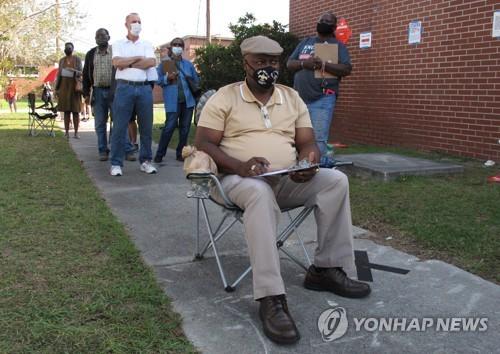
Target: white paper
{"x": 414, "y": 32}
{"x": 496, "y": 24}
{"x": 365, "y": 40}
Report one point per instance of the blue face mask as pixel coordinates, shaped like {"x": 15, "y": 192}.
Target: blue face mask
{"x": 177, "y": 50}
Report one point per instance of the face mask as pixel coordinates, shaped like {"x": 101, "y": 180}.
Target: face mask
{"x": 177, "y": 50}
{"x": 101, "y": 41}
{"x": 324, "y": 28}
{"x": 265, "y": 77}
{"x": 68, "y": 51}
{"x": 135, "y": 28}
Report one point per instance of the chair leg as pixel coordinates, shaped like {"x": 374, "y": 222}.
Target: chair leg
{"x": 197, "y": 255}
{"x": 216, "y": 253}
{"x": 299, "y": 237}
{"x": 292, "y": 228}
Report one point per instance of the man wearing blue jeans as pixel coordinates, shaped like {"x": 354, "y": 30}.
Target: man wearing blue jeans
{"x": 320, "y": 94}
{"x": 98, "y": 75}
{"x": 135, "y": 62}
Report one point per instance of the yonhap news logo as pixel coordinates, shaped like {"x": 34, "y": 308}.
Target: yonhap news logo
{"x": 333, "y": 324}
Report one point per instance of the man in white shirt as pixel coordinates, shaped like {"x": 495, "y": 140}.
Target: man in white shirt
{"x": 135, "y": 62}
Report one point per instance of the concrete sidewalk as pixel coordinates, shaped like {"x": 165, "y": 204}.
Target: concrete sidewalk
{"x": 160, "y": 221}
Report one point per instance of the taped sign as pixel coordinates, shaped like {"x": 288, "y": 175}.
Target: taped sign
{"x": 343, "y": 32}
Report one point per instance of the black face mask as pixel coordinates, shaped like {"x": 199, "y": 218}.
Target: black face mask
{"x": 324, "y": 28}
{"x": 68, "y": 51}
{"x": 265, "y": 77}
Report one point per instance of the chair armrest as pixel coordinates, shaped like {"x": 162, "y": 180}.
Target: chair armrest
{"x": 201, "y": 183}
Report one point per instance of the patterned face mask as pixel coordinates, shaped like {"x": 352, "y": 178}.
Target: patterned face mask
{"x": 266, "y": 77}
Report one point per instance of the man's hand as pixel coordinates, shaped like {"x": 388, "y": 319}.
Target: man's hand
{"x": 253, "y": 167}
{"x": 306, "y": 175}
{"x": 313, "y": 63}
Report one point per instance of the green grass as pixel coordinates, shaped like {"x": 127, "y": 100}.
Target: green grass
{"x": 455, "y": 218}
{"x": 71, "y": 281}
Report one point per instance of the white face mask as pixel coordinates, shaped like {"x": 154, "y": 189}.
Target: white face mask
{"x": 177, "y": 50}
{"x": 135, "y": 28}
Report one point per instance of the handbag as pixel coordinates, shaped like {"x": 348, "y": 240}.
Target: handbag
{"x": 194, "y": 85}
{"x": 78, "y": 85}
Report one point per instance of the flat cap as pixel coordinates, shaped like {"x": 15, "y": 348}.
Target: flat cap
{"x": 260, "y": 45}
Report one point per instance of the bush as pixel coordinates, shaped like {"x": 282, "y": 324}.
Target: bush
{"x": 219, "y": 65}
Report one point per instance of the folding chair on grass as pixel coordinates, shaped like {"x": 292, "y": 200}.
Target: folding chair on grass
{"x": 201, "y": 185}
{"x": 40, "y": 121}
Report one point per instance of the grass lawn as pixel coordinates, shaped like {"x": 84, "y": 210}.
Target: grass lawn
{"x": 71, "y": 281}
{"x": 453, "y": 218}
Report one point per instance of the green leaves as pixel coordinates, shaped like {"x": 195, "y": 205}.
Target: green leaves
{"x": 220, "y": 65}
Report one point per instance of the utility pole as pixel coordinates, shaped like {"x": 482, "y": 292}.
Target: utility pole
{"x": 209, "y": 39}
{"x": 58, "y": 27}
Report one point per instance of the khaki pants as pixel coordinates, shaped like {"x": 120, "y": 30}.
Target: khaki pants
{"x": 261, "y": 200}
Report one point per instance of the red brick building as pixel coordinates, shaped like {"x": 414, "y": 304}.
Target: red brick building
{"x": 441, "y": 94}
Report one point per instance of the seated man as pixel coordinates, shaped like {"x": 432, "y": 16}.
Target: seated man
{"x": 255, "y": 126}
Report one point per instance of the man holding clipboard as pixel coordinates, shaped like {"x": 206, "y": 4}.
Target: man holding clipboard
{"x": 319, "y": 64}
{"x": 255, "y": 130}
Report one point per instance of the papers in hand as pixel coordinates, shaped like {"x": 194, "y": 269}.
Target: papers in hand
{"x": 286, "y": 171}
{"x": 328, "y": 53}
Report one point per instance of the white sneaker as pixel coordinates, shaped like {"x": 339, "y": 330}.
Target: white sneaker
{"x": 115, "y": 171}
{"x": 147, "y": 167}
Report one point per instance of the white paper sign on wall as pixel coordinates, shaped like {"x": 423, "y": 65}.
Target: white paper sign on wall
{"x": 415, "y": 32}
{"x": 365, "y": 40}
{"x": 496, "y": 24}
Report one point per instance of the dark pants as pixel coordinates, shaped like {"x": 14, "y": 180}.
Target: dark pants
{"x": 182, "y": 120}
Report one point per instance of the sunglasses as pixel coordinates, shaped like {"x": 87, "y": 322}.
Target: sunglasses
{"x": 177, "y": 45}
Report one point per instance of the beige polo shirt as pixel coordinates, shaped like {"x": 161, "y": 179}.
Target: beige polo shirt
{"x": 252, "y": 129}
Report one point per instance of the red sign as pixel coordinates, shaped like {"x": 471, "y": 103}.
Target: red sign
{"x": 343, "y": 32}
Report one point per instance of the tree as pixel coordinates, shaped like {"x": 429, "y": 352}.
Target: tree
{"x": 219, "y": 65}
{"x": 28, "y": 29}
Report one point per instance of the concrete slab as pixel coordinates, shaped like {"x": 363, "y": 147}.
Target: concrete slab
{"x": 387, "y": 166}
{"x": 160, "y": 220}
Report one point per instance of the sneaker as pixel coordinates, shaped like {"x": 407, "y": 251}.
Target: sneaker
{"x": 115, "y": 171}
{"x": 131, "y": 157}
{"x": 147, "y": 167}
{"x": 103, "y": 156}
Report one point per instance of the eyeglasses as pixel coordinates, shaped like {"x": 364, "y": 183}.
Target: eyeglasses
{"x": 177, "y": 45}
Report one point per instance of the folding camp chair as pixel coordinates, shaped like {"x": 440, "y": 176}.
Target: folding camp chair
{"x": 40, "y": 121}
{"x": 201, "y": 185}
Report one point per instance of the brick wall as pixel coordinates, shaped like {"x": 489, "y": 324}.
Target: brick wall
{"x": 442, "y": 94}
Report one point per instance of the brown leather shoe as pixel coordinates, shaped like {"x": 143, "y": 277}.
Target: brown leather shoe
{"x": 336, "y": 281}
{"x": 277, "y": 323}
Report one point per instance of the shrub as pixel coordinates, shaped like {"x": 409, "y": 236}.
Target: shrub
{"x": 219, "y": 65}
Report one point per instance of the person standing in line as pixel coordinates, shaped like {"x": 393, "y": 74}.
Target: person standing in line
{"x": 178, "y": 99}
{"x": 98, "y": 75}
{"x": 134, "y": 60}
{"x": 11, "y": 95}
{"x": 69, "y": 98}
{"x": 320, "y": 94}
